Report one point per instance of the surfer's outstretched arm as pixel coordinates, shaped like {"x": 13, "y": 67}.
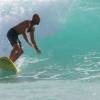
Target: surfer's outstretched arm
{"x": 34, "y": 45}
{"x": 26, "y": 39}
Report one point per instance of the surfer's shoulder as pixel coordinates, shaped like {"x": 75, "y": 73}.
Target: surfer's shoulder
{"x": 33, "y": 29}
{"x": 27, "y": 21}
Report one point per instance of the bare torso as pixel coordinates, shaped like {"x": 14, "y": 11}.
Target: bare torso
{"x": 22, "y": 27}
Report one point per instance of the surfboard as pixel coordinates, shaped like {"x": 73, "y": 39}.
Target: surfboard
{"x": 7, "y": 65}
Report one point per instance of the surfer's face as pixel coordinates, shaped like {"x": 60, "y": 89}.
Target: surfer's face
{"x": 36, "y": 20}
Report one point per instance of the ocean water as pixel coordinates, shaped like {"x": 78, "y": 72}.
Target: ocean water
{"x": 69, "y": 38}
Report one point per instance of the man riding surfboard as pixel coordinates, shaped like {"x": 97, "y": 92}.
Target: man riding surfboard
{"x": 23, "y": 28}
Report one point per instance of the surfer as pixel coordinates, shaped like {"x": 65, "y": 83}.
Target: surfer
{"x": 23, "y": 28}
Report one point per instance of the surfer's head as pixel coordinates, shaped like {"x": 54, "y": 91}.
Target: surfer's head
{"x": 36, "y": 19}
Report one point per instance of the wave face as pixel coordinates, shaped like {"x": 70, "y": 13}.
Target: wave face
{"x": 68, "y": 35}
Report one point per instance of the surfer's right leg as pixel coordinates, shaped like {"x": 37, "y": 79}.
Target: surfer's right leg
{"x": 16, "y": 52}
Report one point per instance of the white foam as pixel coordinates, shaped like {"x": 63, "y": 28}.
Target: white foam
{"x": 55, "y": 76}
{"x": 38, "y": 74}
{"x": 20, "y": 62}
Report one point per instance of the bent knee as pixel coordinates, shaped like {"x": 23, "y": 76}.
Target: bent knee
{"x": 19, "y": 51}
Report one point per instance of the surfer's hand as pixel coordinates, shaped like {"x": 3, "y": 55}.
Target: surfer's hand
{"x": 36, "y": 48}
{"x": 38, "y": 51}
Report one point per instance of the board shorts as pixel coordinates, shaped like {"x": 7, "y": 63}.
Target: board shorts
{"x": 12, "y": 36}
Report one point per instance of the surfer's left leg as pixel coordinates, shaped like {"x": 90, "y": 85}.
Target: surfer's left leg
{"x": 16, "y": 52}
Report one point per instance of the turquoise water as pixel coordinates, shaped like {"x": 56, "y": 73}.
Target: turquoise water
{"x": 68, "y": 35}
